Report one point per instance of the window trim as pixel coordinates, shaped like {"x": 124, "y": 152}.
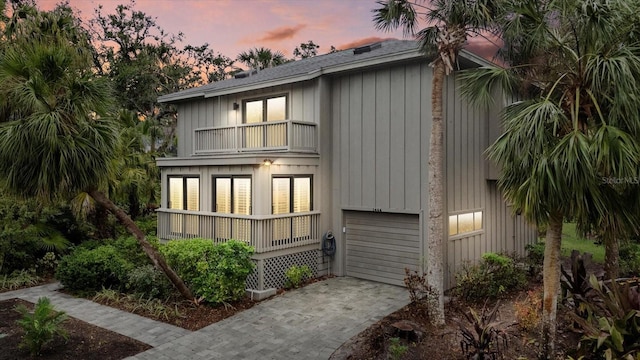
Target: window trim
{"x": 264, "y": 106}
{"x": 214, "y": 206}
{"x": 291, "y": 177}
{"x": 473, "y": 232}
{"x": 184, "y": 189}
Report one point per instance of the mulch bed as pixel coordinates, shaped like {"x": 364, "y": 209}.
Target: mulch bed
{"x": 85, "y": 341}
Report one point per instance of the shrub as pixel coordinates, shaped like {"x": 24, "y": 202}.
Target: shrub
{"x": 396, "y": 349}
{"x": 215, "y": 273}
{"x": 92, "y": 270}
{"x": 612, "y": 326}
{"x": 18, "y": 279}
{"x": 485, "y": 338}
{"x": 149, "y": 282}
{"x": 495, "y": 275}
{"x": 420, "y": 292}
{"x": 535, "y": 257}
{"x": 296, "y": 275}
{"x": 528, "y": 311}
{"x": 40, "y": 326}
{"x": 130, "y": 249}
{"x": 47, "y": 265}
{"x": 629, "y": 256}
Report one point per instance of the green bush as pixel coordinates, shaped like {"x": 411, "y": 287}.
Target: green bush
{"x": 18, "y": 279}
{"x": 40, "y": 326}
{"x": 215, "y": 273}
{"x": 629, "y": 256}
{"x": 495, "y": 275}
{"x": 92, "y": 270}
{"x": 149, "y": 282}
{"x": 296, "y": 275}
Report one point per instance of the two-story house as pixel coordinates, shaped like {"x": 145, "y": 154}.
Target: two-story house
{"x": 337, "y": 142}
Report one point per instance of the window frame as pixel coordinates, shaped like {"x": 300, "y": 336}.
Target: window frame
{"x": 185, "y": 198}
{"x": 214, "y": 206}
{"x": 291, "y": 189}
{"x": 264, "y": 106}
{"x": 473, "y": 232}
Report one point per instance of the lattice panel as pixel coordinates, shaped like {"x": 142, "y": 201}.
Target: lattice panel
{"x": 252, "y": 279}
{"x": 274, "y": 268}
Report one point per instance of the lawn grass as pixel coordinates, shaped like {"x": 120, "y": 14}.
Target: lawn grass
{"x": 571, "y": 241}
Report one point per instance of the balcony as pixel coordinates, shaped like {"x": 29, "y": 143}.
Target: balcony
{"x": 264, "y": 232}
{"x": 287, "y": 135}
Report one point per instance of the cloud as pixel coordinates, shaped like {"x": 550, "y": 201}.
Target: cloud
{"x": 281, "y": 33}
{"x": 361, "y": 42}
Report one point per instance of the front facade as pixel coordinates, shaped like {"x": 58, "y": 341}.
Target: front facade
{"x": 339, "y": 143}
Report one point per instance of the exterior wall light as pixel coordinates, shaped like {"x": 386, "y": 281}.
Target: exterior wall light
{"x": 236, "y": 106}
{"x": 267, "y": 162}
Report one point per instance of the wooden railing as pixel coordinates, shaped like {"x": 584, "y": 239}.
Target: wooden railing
{"x": 264, "y": 232}
{"x": 287, "y": 135}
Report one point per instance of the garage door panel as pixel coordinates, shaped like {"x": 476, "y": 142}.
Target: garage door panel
{"x": 383, "y": 236}
{"x": 373, "y": 257}
{"x": 391, "y": 253}
{"x": 381, "y": 245}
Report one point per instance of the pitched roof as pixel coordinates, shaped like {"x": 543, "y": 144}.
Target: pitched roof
{"x": 309, "y": 68}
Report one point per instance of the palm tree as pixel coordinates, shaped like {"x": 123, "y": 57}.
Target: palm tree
{"x": 56, "y": 138}
{"x": 571, "y": 147}
{"x": 450, "y": 23}
{"x": 261, "y": 58}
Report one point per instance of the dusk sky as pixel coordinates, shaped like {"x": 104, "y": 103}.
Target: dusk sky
{"x": 233, "y": 26}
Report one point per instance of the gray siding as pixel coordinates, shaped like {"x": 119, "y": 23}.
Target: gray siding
{"x": 380, "y": 117}
{"x": 469, "y": 131}
{"x": 218, "y": 111}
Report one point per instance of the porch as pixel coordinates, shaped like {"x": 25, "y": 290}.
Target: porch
{"x": 266, "y": 233}
{"x": 286, "y": 135}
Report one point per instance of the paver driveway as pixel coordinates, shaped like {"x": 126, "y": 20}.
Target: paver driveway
{"x": 308, "y": 323}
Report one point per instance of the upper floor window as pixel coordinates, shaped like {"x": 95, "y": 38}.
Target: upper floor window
{"x": 265, "y": 109}
{"x": 184, "y": 193}
{"x": 465, "y": 223}
{"x": 232, "y": 195}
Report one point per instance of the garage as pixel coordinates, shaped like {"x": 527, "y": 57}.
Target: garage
{"x": 381, "y": 245}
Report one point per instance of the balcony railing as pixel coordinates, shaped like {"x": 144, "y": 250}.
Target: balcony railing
{"x": 264, "y": 232}
{"x": 287, "y": 135}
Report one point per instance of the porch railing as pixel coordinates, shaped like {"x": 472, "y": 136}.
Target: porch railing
{"x": 264, "y": 232}
{"x": 287, "y": 135}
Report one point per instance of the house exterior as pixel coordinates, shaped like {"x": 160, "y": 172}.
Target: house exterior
{"x": 337, "y": 142}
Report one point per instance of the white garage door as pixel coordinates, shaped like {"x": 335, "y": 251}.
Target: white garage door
{"x": 381, "y": 245}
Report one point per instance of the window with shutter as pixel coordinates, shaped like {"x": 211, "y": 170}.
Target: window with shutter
{"x": 291, "y": 194}
{"x": 184, "y": 194}
{"x": 232, "y": 195}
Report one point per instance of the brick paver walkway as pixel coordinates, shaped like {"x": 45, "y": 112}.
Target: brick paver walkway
{"x": 307, "y": 323}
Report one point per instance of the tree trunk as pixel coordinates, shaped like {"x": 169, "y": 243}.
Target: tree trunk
{"x": 551, "y": 274}
{"x": 435, "y": 265}
{"x": 611, "y": 257}
{"x": 152, "y": 253}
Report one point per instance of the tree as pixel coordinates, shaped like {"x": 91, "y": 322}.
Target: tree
{"x": 261, "y": 58}
{"x": 450, "y": 23}
{"x": 570, "y": 148}
{"x": 56, "y": 136}
{"x": 305, "y": 50}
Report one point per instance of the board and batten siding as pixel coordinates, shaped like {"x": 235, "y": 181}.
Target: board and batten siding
{"x": 218, "y": 110}
{"x": 469, "y": 131}
{"x": 381, "y": 124}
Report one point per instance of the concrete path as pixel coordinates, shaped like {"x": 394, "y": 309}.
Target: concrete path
{"x": 307, "y": 323}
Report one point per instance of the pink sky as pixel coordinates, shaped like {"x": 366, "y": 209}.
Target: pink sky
{"x": 233, "y": 26}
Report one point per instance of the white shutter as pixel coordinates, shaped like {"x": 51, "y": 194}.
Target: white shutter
{"x": 242, "y": 196}
{"x": 223, "y": 195}
{"x": 301, "y": 194}
{"x": 281, "y": 195}
{"x": 176, "y": 200}
{"x": 193, "y": 194}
